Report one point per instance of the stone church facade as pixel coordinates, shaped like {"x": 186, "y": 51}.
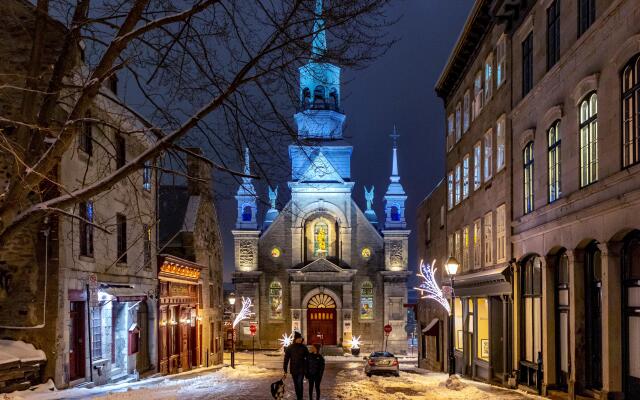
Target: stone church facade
{"x": 321, "y": 265}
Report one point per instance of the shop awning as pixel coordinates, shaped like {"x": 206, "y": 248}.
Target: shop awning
{"x": 490, "y": 282}
{"x": 123, "y": 293}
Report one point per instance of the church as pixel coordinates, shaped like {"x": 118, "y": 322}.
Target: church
{"x": 322, "y": 266}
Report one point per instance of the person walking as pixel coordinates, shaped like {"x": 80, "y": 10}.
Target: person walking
{"x": 315, "y": 369}
{"x": 295, "y": 359}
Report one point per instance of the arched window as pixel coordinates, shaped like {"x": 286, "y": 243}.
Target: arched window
{"x": 318, "y": 96}
{"x": 306, "y": 97}
{"x": 275, "y": 300}
{"x": 366, "y": 300}
{"x": 395, "y": 213}
{"x": 320, "y": 239}
{"x": 589, "y": 140}
{"x": 246, "y": 214}
{"x": 333, "y": 95}
{"x": 631, "y": 315}
{"x": 631, "y": 112}
{"x": 528, "y": 177}
{"x": 531, "y": 319}
{"x": 593, "y": 309}
{"x": 553, "y": 134}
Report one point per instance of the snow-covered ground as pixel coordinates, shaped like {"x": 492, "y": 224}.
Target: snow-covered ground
{"x": 343, "y": 380}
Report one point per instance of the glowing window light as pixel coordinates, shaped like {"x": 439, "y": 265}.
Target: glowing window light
{"x": 429, "y": 288}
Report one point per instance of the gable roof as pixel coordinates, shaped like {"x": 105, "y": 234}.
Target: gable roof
{"x": 321, "y": 265}
{"x": 321, "y": 170}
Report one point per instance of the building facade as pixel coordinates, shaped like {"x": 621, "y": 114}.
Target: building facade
{"x": 576, "y": 204}
{"x": 475, "y": 87}
{"x": 321, "y": 265}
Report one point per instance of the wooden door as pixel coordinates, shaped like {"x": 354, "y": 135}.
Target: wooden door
{"x": 321, "y": 326}
{"x": 76, "y": 341}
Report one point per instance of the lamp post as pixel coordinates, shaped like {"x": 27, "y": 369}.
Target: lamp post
{"x": 232, "y": 302}
{"x": 452, "y": 267}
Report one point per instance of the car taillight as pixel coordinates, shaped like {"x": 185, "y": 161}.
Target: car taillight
{"x": 371, "y": 362}
{"x": 395, "y": 362}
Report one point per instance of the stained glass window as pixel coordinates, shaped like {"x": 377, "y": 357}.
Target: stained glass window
{"x": 366, "y": 301}
{"x": 320, "y": 239}
{"x": 275, "y": 300}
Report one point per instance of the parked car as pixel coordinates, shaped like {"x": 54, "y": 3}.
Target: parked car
{"x": 381, "y": 362}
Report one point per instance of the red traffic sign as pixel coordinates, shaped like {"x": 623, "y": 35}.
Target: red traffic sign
{"x": 387, "y": 329}
{"x": 252, "y": 329}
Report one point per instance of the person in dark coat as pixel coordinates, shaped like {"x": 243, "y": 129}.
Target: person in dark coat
{"x": 295, "y": 358}
{"x": 315, "y": 369}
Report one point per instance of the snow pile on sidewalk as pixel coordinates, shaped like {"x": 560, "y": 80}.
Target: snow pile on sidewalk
{"x": 19, "y": 351}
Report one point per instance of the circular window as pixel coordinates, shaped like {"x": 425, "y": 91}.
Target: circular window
{"x": 275, "y": 252}
{"x": 366, "y": 253}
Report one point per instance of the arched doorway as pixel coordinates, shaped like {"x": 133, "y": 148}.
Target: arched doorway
{"x": 322, "y": 320}
{"x": 631, "y": 315}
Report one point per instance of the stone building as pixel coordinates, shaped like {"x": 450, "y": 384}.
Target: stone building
{"x": 81, "y": 294}
{"x": 321, "y": 265}
{"x": 576, "y": 195}
{"x": 475, "y": 86}
{"x": 190, "y": 273}
{"x": 433, "y": 320}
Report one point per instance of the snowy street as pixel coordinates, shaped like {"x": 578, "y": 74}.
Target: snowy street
{"x": 343, "y": 379}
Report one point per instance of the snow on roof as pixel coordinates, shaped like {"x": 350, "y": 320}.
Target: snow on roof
{"x": 17, "y": 350}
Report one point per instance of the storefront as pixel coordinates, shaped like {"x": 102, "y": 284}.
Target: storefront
{"x": 482, "y": 324}
{"x": 180, "y": 326}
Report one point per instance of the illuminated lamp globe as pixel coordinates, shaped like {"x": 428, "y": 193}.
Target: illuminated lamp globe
{"x": 452, "y": 266}
{"x": 232, "y": 298}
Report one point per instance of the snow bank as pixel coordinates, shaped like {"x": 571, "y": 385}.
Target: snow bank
{"x": 17, "y": 350}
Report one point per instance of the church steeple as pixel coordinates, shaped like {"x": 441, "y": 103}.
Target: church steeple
{"x": 247, "y": 198}
{"x": 395, "y": 197}
{"x": 319, "y": 44}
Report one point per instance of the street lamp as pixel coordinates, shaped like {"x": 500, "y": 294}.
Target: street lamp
{"x": 452, "y": 268}
{"x": 232, "y": 302}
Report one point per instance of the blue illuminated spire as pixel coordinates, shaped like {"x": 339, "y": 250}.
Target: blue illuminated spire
{"x": 319, "y": 44}
{"x": 395, "y": 197}
{"x": 247, "y": 198}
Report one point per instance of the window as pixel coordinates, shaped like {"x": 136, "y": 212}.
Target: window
{"x": 121, "y": 151}
{"x": 501, "y": 61}
{"x": 450, "y": 245}
{"x": 589, "y": 140}
{"x": 146, "y": 175}
{"x": 121, "y": 232}
{"x": 457, "y": 184}
{"x": 395, "y": 213}
{"x": 458, "y": 245}
{"x": 500, "y": 142}
{"x": 482, "y": 333}
{"x": 466, "y": 110}
{"x": 212, "y": 302}
{"x": 465, "y": 176}
{"x": 450, "y": 132}
{"x": 553, "y": 134}
{"x": 477, "y": 162}
{"x": 96, "y": 332}
{"x": 631, "y": 112}
{"x": 465, "y": 248}
{"x": 593, "y": 308}
{"x": 488, "y": 239}
{"x": 501, "y": 233}
{"x": 275, "y": 300}
{"x": 428, "y": 228}
{"x": 320, "y": 239}
{"x": 488, "y": 77}
{"x": 146, "y": 231}
{"x": 442, "y": 215}
{"x": 86, "y": 134}
{"x": 457, "y": 323}
{"x": 247, "y": 214}
{"x": 86, "y": 229}
{"x": 488, "y": 154}
{"x": 527, "y": 64}
{"x": 366, "y": 301}
{"x": 553, "y": 34}
{"x": 477, "y": 95}
{"x": 531, "y": 323}
{"x": 586, "y": 15}
{"x": 528, "y": 177}
{"x": 458, "y": 122}
{"x": 450, "y": 189}
{"x": 477, "y": 244}
{"x": 562, "y": 317}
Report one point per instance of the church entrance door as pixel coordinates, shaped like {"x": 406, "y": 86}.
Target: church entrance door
{"x": 322, "y": 320}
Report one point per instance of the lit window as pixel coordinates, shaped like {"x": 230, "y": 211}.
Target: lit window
{"x": 500, "y": 142}
{"x": 501, "y": 234}
{"x": 488, "y": 239}
{"x": 631, "y": 112}
{"x": 465, "y": 177}
{"x": 458, "y": 245}
{"x": 465, "y": 248}
{"x": 320, "y": 239}
{"x": 450, "y": 189}
{"x": 466, "y": 110}
{"x": 501, "y": 62}
{"x": 450, "y": 132}
{"x": 146, "y": 230}
{"x": 275, "y": 252}
{"x": 457, "y": 323}
{"x": 553, "y": 135}
{"x": 488, "y": 77}
{"x": 482, "y": 333}
{"x": 477, "y": 244}
{"x": 488, "y": 154}
{"x": 457, "y": 183}
{"x": 275, "y": 300}
{"x": 477, "y": 166}
{"x": 86, "y": 229}
{"x": 366, "y": 252}
{"x": 146, "y": 175}
{"x": 528, "y": 178}
{"x": 366, "y": 301}
{"x": 589, "y": 140}
{"x": 531, "y": 309}
{"x": 450, "y": 245}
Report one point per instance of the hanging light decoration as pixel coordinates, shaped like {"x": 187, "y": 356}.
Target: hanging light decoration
{"x": 245, "y": 311}
{"x": 355, "y": 342}
{"x": 286, "y": 340}
{"x": 428, "y": 287}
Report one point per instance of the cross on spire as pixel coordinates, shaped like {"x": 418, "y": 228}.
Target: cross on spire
{"x": 395, "y": 135}
{"x": 319, "y": 42}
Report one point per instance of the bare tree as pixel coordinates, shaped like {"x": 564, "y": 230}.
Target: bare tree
{"x": 220, "y": 72}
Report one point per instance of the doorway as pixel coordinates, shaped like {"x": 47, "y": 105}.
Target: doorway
{"x": 76, "y": 341}
{"x": 631, "y": 316}
{"x": 322, "y": 323}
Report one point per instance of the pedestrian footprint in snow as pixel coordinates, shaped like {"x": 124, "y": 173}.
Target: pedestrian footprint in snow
{"x": 315, "y": 369}
{"x": 296, "y": 354}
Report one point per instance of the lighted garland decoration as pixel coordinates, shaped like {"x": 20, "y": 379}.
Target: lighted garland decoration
{"x": 245, "y": 311}
{"x": 286, "y": 340}
{"x": 429, "y": 288}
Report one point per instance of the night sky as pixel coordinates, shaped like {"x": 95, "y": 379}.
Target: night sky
{"x": 398, "y": 88}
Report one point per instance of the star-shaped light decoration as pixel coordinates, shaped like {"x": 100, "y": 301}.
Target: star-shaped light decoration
{"x": 245, "y": 311}
{"x": 355, "y": 342}
{"x": 286, "y": 340}
{"x": 428, "y": 287}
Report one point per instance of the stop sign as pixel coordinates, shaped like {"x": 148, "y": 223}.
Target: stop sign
{"x": 387, "y": 329}
{"x": 252, "y": 329}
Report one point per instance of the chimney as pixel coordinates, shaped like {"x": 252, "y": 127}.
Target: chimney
{"x": 199, "y": 169}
